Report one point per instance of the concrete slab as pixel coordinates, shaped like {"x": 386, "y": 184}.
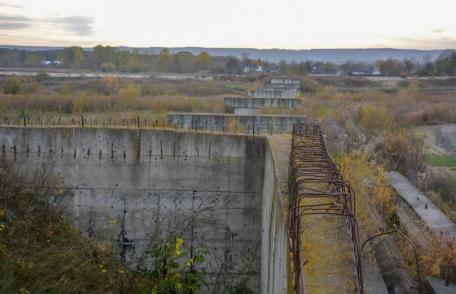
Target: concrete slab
{"x": 433, "y": 217}
{"x": 438, "y": 286}
{"x": 373, "y": 280}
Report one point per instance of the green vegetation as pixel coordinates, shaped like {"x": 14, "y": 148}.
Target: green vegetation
{"x": 41, "y": 252}
{"x": 440, "y": 160}
{"x": 12, "y": 86}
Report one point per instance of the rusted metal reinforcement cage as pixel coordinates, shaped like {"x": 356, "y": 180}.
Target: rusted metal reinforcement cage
{"x": 313, "y": 175}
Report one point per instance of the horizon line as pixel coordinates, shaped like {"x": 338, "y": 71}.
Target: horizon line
{"x": 252, "y": 48}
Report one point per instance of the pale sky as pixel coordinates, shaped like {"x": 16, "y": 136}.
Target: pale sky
{"x": 292, "y": 24}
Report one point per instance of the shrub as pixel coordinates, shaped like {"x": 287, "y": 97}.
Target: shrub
{"x": 401, "y": 150}
{"x": 30, "y": 87}
{"x": 375, "y": 118}
{"x": 42, "y": 76}
{"x": 129, "y": 92}
{"x": 107, "y": 67}
{"x": 445, "y": 186}
{"x": 80, "y": 104}
{"x": 40, "y": 251}
{"x": 67, "y": 88}
{"x": 434, "y": 114}
{"x": 175, "y": 270}
{"x": 369, "y": 181}
{"x": 309, "y": 86}
{"x": 440, "y": 256}
{"x": 12, "y": 86}
{"x": 105, "y": 86}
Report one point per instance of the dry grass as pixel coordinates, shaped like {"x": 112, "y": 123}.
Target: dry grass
{"x": 41, "y": 252}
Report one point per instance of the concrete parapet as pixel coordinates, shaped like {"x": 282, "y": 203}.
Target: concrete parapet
{"x": 274, "y": 92}
{"x": 286, "y": 82}
{"x": 249, "y": 102}
{"x": 236, "y": 123}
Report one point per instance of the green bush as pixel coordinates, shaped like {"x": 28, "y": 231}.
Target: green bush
{"x": 12, "y": 86}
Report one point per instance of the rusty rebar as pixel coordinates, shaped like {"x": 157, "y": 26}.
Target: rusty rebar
{"x": 310, "y": 164}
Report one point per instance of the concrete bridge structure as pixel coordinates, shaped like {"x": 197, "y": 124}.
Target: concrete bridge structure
{"x": 237, "y": 123}
{"x": 136, "y": 187}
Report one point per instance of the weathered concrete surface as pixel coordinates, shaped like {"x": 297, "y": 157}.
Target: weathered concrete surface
{"x": 433, "y": 217}
{"x": 136, "y": 187}
{"x": 439, "y": 287}
{"x": 274, "y": 92}
{"x": 236, "y": 123}
{"x": 274, "y": 211}
{"x": 246, "y": 102}
{"x": 286, "y": 82}
{"x": 246, "y": 111}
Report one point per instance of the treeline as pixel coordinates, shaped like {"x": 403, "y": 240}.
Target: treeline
{"x": 445, "y": 65}
{"x": 110, "y": 59}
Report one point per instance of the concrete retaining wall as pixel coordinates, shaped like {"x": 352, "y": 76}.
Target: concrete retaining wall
{"x": 274, "y": 92}
{"x": 262, "y": 102}
{"x": 274, "y": 235}
{"x": 236, "y": 123}
{"x": 136, "y": 187}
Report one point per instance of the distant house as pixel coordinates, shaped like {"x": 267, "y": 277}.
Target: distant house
{"x": 253, "y": 68}
{"x": 51, "y": 62}
{"x": 371, "y": 71}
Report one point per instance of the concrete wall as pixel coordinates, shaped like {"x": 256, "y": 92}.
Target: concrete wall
{"x": 274, "y": 235}
{"x": 246, "y": 111}
{"x": 236, "y": 123}
{"x": 288, "y": 82}
{"x": 262, "y": 102}
{"x": 136, "y": 187}
{"x": 274, "y": 92}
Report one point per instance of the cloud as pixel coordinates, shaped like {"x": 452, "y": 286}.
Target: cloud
{"x": 76, "y": 25}
{"x": 427, "y": 42}
{"x": 440, "y": 30}
{"x": 9, "y": 5}
{"x": 13, "y": 22}
{"x": 13, "y": 25}
{"x": 73, "y": 25}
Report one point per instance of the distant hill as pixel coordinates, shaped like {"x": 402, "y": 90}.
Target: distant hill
{"x": 275, "y": 55}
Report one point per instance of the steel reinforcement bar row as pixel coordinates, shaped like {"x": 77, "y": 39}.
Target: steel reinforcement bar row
{"x": 314, "y": 175}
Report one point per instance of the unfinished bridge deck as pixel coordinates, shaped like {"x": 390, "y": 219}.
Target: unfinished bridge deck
{"x": 322, "y": 226}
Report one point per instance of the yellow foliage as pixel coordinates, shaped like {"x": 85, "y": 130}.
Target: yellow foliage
{"x": 439, "y": 256}
{"x": 369, "y": 182}
{"x": 80, "y": 104}
{"x": 130, "y": 92}
{"x": 178, "y": 246}
{"x": 375, "y": 118}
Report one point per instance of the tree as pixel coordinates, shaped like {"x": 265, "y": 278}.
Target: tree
{"x": 103, "y": 54}
{"x": 164, "y": 60}
{"x": 233, "y": 65}
{"x": 72, "y": 56}
{"x": 392, "y": 67}
{"x": 283, "y": 66}
{"x": 203, "y": 61}
{"x": 446, "y": 63}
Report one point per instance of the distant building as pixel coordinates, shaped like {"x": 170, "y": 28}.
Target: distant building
{"x": 51, "y": 62}
{"x": 372, "y": 71}
{"x": 253, "y": 68}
